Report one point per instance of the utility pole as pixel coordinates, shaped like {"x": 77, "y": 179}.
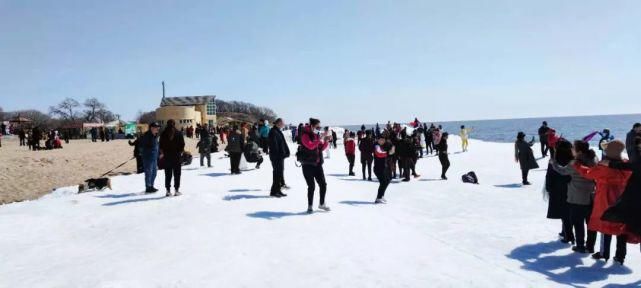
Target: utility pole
{"x": 163, "y": 89}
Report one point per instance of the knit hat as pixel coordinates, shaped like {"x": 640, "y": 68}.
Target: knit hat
{"x": 614, "y": 149}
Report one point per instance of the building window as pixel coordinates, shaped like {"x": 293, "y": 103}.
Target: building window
{"x": 211, "y": 107}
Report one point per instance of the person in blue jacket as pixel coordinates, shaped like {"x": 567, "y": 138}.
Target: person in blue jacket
{"x": 150, "y": 150}
{"x": 264, "y": 135}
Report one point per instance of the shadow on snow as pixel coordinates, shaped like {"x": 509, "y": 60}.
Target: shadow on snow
{"x": 243, "y": 196}
{"x": 356, "y": 203}
{"x": 244, "y": 190}
{"x": 115, "y": 196}
{"x": 133, "y": 201}
{"x": 563, "y": 269}
{"x": 272, "y": 215}
{"x": 514, "y": 185}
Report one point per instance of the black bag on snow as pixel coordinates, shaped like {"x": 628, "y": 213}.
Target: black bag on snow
{"x": 470, "y": 177}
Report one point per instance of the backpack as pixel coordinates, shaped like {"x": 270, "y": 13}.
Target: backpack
{"x": 470, "y": 177}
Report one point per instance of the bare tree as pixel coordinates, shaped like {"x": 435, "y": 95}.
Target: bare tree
{"x": 37, "y": 118}
{"x": 105, "y": 115}
{"x": 66, "y": 109}
{"x": 146, "y": 117}
{"x": 1, "y": 114}
{"x": 93, "y": 106}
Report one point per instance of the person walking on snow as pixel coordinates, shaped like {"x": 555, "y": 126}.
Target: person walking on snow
{"x": 278, "y": 151}
{"x": 350, "y": 152}
{"x": 311, "y": 158}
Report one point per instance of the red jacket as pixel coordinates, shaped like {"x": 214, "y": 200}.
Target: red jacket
{"x": 350, "y": 146}
{"x": 313, "y": 143}
{"x": 610, "y": 184}
{"x": 552, "y": 138}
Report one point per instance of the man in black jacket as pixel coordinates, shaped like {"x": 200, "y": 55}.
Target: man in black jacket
{"x": 629, "y": 142}
{"x": 278, "y": 151}
{"x": 543, "y": 138}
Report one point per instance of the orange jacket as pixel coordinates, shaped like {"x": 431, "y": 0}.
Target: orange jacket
{"x": 610, "y": 184}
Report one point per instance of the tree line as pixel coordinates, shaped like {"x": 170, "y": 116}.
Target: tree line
{"x": 67, "y": 111}
{"x": 245, "y": 108}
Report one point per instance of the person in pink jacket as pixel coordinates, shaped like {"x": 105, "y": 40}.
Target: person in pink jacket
{"x": 310, "y": 154}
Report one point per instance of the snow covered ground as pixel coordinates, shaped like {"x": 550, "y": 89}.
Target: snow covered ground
{"x": 226, "y": 232}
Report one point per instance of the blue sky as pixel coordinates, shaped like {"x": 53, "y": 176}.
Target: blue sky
{"x": 346, "y": 62}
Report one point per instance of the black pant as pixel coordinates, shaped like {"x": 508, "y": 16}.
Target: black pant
{"x": 445, "y": 162}
{"x": 139, "y": 167}
{"x": 234, "y": 158}
{"x": 429, "y": 146}
{"x": 404, "y": 163}
{"x": 383, "y": 180}
{"x": 524, "y": 174}
{"x": 566, "y": 228}
{"x": 622, "y": 246}
{"x": 580, "y": 215}
{"x": 265, "y": 144}
{"x": 22, "y": 142}
{"x": 278, "y": 178}
{"x": 172, "y": 168}
{"x": 202, "y": 159}
{"x": 544, "y": 146}
{"x": 351, "y": 159}
{"x": 311, "y": 173}
{"x": 367, "y": 163}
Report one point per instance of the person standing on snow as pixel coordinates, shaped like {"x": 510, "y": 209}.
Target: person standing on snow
{"x": 264, "y": 136}
{"x": 580, "y": 195}
{"x": 629, "y": 142}
{"x": 465, "y": 135}
{"x": 350, "y": 152}
{"x": 610, "y": 184}
{"x": 543, "y": 138}
{"x": 310, "y": 155}
{"x": 442, "y": 155}
{"x": 628, "y": 209}
{"x": 278, "y": 151}
{"x": 606, "y": 137}
{"x": 524, "y": 156}
{"x": 366, "y": 147}
{"x": 235, "y": 148}
{"x": 150, "y": 150}
{"x": 382, "y": 150}
{"x": 172, "y": 146}
{"x": 556, "y": 187}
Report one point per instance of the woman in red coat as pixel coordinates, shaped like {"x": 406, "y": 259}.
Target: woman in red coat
{"x": 350, "y": 151}
{"x": 610, "y": 184}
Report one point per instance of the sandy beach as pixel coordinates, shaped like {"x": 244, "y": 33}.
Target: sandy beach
{"x": 28, "y": 175}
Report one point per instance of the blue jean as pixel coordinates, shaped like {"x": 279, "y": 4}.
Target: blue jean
{"x": 151, "y": 169}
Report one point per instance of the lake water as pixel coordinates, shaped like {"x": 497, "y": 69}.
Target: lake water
{"x": 505, "y": 130}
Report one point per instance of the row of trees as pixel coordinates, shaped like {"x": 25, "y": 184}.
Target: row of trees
{"x": 94, "y": 111}
{"x": 245, "y": 108}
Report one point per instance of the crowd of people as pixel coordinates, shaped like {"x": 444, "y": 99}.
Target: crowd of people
{"x": 391, "y": 152}
{"x": 589, "y": 195}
